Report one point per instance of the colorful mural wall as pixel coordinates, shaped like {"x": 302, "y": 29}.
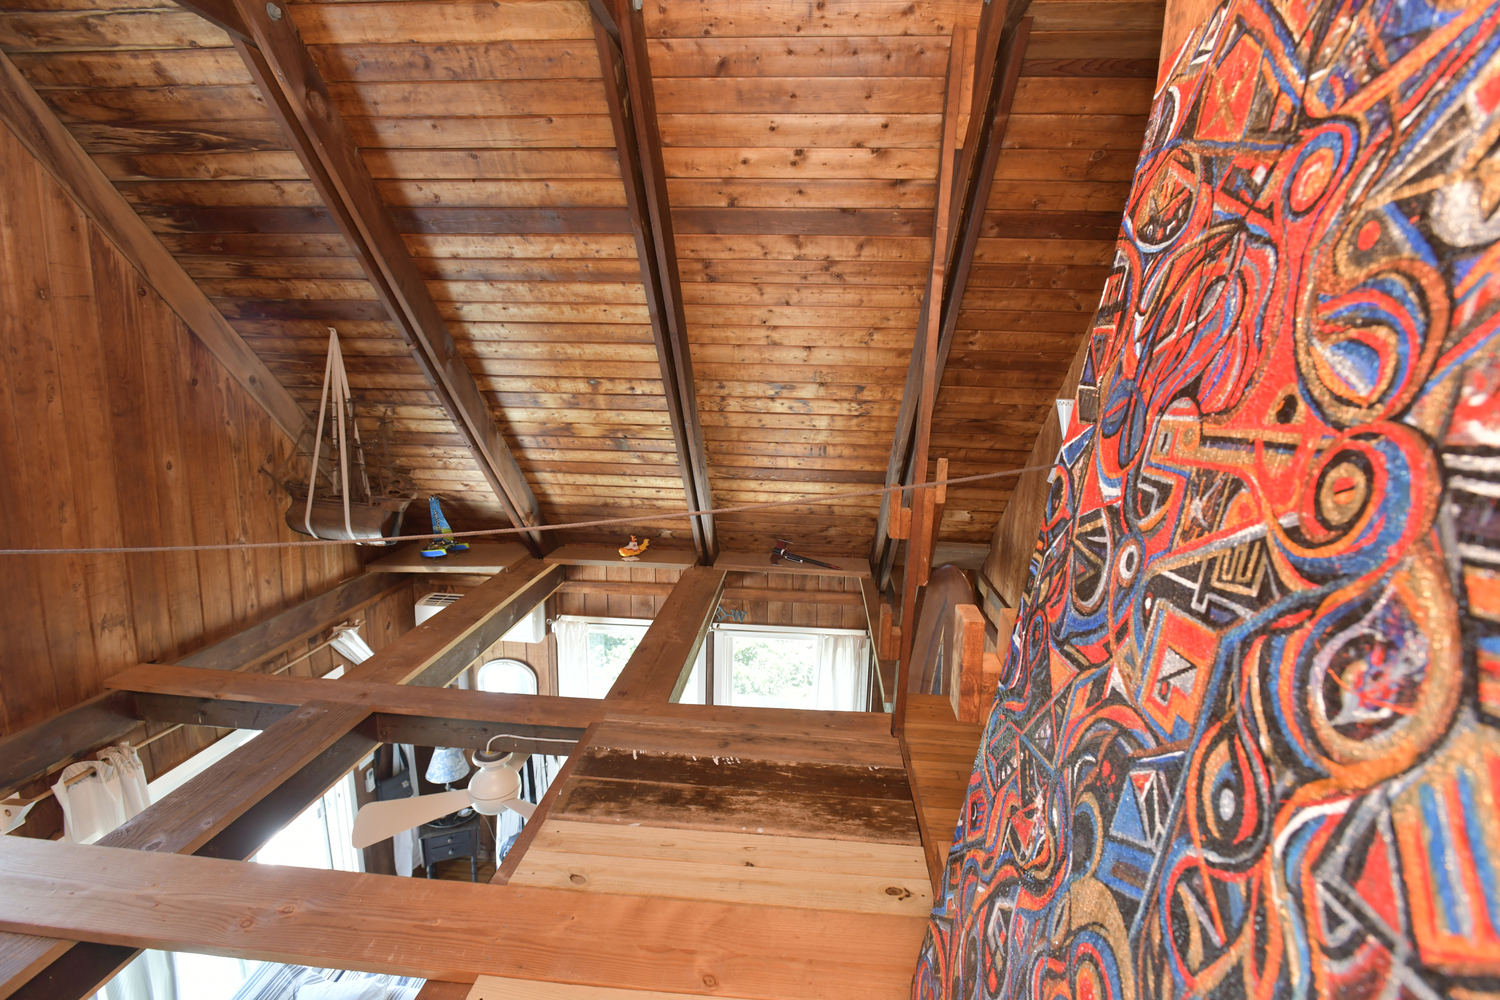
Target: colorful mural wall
{"x": 1248, "y": 742}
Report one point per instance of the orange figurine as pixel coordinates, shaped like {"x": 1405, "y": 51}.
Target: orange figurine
{"x": 634, "y": 549}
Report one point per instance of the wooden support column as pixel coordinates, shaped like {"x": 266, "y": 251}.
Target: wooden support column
{"x": 1003, "y": 32}
{"x": 620, "y": 34}
{"x": 435, "y": 652}
{"x": 50, "y": 142}
{"x": 267, "y": 39}
{"x": 658, "y": 670}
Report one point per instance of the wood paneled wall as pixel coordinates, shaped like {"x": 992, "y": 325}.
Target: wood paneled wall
{"x": 119, "y": 428}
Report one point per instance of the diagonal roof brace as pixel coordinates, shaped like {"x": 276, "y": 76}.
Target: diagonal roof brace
{"x": 277, "y": 58}
{"x": 620, "y": 33}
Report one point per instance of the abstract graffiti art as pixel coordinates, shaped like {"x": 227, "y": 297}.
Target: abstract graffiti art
{"x": 1247, "y": 742}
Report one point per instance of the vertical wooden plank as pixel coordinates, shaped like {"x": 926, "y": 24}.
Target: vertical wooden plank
{"x": 26, "y": 685}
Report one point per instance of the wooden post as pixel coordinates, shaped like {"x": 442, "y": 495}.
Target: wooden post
{"x": 973, "y": 673}
{"x": 922, "y": 508}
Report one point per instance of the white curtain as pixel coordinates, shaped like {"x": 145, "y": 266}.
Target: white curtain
{"x": 407, "y": 846}
{"x": 107, "y": 792}
{"x": 843, "y": 681}
{"x": 112, "y": 791}
{"x": 572, "y": 657}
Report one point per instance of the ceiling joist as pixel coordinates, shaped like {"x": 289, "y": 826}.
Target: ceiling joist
{"x": 619, "y": 32}
{"x": 295, "y": 92}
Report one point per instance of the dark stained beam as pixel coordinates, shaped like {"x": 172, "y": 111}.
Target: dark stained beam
{"x": 1003, "y": 33}
{"x": 54, "y": 146}
{"x": 620, "y": 34}
{"x": 38, "y": 750}
{"x": 267, "y": 638}
{"x": 230, "y": 811}
{"x": 294, "y": 90}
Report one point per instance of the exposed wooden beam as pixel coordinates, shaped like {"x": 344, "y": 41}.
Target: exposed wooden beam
{"x": 81, "y": 730}
{"x": 461, "y": 718}
{"x": 49, "y": 141}
{"x": 435, "y": 652}
{"x": 295, "y": 93}
{"x": 170, "y": 694}
{"x": 658, "y": 669}
{"x": 620, "y": 34}
{"x": 426, "y": 655}
{"x": 1001, "y": 47}
{"x": 38, "y": 750}
{"x": 203, "y": 818}
{"x": 354, "y": 921}
{"x": 280, "y": 631}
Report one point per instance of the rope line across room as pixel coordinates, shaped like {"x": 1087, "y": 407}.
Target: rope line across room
{"x": 637, "y": 520}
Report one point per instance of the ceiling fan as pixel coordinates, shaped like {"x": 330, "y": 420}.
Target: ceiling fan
{"x": 496, "y": 786}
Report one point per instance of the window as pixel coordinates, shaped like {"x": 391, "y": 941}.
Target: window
{"x": 774, "y": 667}
{"x": 591, "y": 652}
{"x": 507, "y": 677}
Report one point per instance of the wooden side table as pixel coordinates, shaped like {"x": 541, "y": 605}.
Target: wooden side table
{"x": 441, "y": 843}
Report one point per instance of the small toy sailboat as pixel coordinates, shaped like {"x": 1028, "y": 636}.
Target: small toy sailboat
{"x": 634, "y": 549}
{"x": 437, "y": 547}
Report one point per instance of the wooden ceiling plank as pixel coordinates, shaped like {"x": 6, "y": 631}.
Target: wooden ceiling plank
{"x": 1003, "y": 33}
{"x": 620, "y": 36}
{"x": 40, "y": 132}
{"x": 283, "y": 69}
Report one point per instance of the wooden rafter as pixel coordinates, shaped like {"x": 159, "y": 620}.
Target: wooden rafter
{"x": 619, "y": 33}
{"x": 50, "y": 142}
{"x": 1001, "y": 47}
{"x": 297, "y": 96}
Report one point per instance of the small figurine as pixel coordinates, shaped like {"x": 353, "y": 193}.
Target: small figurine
{"x": 632, "y": 551}
{"x": 437, "y": 547}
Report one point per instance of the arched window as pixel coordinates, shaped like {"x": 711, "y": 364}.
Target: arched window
{"x": 507, "y": 677}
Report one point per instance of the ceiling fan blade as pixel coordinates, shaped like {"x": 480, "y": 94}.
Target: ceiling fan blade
{"x": 376, "y": 821}
{"x": 521, "y": 806}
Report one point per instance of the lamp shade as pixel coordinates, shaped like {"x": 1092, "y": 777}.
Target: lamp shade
{"x": 448, "y": 764}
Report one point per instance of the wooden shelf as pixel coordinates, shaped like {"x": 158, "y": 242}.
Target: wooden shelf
{"x": 483, "y": 558}
{"x": 655, "y": 557}
{"x": 760, "y": 562}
